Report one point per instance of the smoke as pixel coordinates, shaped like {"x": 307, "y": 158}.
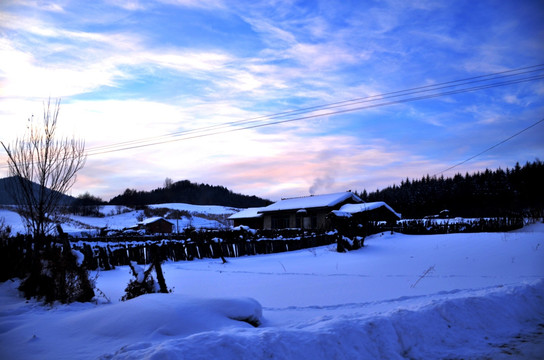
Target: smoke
{"x": 321, "y": 183}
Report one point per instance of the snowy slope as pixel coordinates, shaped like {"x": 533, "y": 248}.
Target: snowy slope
{"x": 202, "y": 209}
{"x": 472, "y": 296}
{"x": 119, "y": 217}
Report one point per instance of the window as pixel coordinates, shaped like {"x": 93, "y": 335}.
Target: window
{"x": 280, "y": 222}
{"x": 313, "y": 220}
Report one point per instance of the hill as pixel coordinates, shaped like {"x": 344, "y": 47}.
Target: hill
{"x": 6, "y": 184}
{"x": 187, "y": 192}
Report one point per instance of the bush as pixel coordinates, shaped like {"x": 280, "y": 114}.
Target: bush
{"x": 57, "y": 274}
{"x": 143, "y": 282}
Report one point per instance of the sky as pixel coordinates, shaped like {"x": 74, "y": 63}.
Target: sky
{"x": 277, "y": 98}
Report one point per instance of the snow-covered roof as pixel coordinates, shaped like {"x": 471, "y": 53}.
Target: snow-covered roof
{"x": 339, "y": 213}
{"x": 247, "y": 213}
{"x": 313, "y": 201}
{"x": 359, "y": 208}
{"x": 152, "y": 220}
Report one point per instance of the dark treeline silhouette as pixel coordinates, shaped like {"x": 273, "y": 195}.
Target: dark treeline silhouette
{"x": 511, "y": 192}
{"x": 87, "y": 205}
{"x": 187, "y": 192}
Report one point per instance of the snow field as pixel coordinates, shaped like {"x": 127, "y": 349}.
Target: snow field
{"x": 471, "y": 296}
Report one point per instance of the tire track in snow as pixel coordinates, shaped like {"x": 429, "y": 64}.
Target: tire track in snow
{"x": 456, "y": 293}
{"x": 269, "y": 273}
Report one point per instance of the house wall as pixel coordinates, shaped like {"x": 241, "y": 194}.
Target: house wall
{"x": 253, "y": 223}
{"x": 316, "y": 220}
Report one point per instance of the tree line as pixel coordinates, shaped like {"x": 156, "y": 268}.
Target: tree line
{"x": 188, "y": 192}
{"x": 491, "y": 193}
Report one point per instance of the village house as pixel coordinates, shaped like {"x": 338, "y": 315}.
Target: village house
{"x": 156, "y": 225}
{"x": 314, "y": 212}
{"x": 308, "y": 212}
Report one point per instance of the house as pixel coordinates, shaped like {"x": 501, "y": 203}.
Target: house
{"x": 308, "y": 212}
{"x": 248, "y": 217}
{"x": 314, "y": 212}
{"x": 156, "y": 225}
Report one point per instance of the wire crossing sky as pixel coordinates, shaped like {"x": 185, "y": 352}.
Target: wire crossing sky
{"x": 276, "y": 98}
{"x": 401, "y": 96}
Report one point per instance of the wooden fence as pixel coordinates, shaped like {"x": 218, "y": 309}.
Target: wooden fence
{"x": 108, "y": 252}
{"x": 445, "y": 226}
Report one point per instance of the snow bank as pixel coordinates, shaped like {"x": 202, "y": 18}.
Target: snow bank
{"x": 83, "y": 331}
{"x": 455, "y": 328}
{"x": 159, "y": 316}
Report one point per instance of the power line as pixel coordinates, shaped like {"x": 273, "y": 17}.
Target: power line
{"x": 194, "y": 134}
{"x": 490, "y": 148}
{"x": 481, "y": 82}
{"x": 271, "y": 119}
{"x": 368, "y": 99}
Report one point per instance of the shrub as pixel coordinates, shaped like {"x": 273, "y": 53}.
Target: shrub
{"x": 143, "y": 282}
{"x": 57, "y": 274}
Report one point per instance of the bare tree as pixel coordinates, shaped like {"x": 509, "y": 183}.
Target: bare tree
{"x": 43, "y": 169}
{"x": 168, "y": 183}
{"x": 39, "y": 158}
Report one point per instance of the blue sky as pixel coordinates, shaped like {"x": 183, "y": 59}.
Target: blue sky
{"x": 153, "y": 72}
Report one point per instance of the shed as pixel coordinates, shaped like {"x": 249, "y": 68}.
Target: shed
{"x": 156, "y": 225}
{"x": 248, "y": 217}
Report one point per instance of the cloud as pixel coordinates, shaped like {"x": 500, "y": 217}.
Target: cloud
{"x": 204, "y": 4}
{"x": 48, "y": 6}
{"x": 271, "y": 166}
{"x": 126, "y": 74}
{"x": 130, "y": 5}
{"x": 323, "y": 164}
{"x": 75, "y": 62}
{"x": 185, "y": 61}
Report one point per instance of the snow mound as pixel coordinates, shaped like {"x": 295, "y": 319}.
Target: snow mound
{"x": 452, "y": 328}
{"x": 155, "y": 316}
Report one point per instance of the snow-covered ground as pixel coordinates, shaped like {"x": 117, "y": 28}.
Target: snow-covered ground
{"x": 121, "y": 217}
{"x": 456, "y": 296}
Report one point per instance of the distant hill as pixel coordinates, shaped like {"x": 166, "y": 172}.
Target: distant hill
{"x": 7, "y": 199}
{"x": 5, "y": 196}
{"x": 191, "y": 193}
